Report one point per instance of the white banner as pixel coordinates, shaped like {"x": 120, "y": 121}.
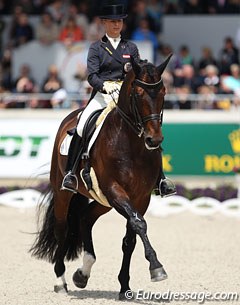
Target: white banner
{"x": 26, "y": 147}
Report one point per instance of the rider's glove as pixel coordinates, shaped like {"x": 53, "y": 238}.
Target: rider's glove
{"x": 110, "y": 87}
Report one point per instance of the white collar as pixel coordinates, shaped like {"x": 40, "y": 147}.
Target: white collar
{"x": 114, "y": 41}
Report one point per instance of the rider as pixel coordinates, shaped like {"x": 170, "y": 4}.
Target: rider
{"x": 107, "y": 63}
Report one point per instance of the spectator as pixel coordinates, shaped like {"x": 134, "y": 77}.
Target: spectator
{"x": 206, "y": 59}
{"x": 95, "y": 30}
{"x": 143, "y": 33}
{"x": 231, "y": 83}
{"x": 22, "y": 31}
{"x": 139, "y": 12}
{"x": 26, "y": 5}
{"x": 186, "y": 77}
{"x": 47, "y": 31}
{"x": 228, "y": 56}
{"x": 71, "y": 33}
{"x": 211, "y": 78}
{"x": 193, "y": 7}
{"x": 57, "y": 10}
{"x": 155, "y": 11}
{"x": 172, "y": 7}
{"x": 6, "y": 65}
{"x": 184, "y": 57}
{"x": 24, "y": 84}
{"x": 51, "y": 84}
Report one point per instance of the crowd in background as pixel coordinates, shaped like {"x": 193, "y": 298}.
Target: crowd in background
{"x": 69, "y": 22}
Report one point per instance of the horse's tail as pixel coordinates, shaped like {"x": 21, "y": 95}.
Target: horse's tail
{"x": 45, "y": 245}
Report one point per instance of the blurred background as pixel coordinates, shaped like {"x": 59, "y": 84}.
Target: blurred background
{"x": 43, "y": 51}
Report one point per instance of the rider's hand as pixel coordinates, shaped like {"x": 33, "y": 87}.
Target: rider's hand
{"x": 110, "y": 87}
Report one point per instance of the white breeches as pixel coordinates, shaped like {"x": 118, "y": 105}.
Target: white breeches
{"x": 99, "y": 101}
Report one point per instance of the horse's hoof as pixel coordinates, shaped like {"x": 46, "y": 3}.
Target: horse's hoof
{"x": 79, "y": 279}
{"x": 61, "y": 288}
{"x": 126, "y": 296}
{"x": 158, "y": 274}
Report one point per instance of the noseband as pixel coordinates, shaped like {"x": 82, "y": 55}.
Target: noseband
{"x": 138, "y": 124}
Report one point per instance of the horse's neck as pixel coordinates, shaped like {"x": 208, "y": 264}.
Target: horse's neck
{"x": 125, "y": 94}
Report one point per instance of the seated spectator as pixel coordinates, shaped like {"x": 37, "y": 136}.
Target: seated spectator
{"x": 184, "y": 56}
{"x": 51, "y": 84}
{"x": 228, "y": 56}
{"x": 22, "y": 32}
{"x": 95, "y": 30}
{"x": 139, "y": 12}
{"x": 143, "y": 33}
{"x": 206, "y": 59}
{"x": 172, "y": 7}
{"x": 24, "y": 84}
{"x": 193, "y": 7}
{"x": 155, "y": 11}
{"x": 186, "y": 77}
{"x": 6, "y": 65}
{"x": 70, "y": 33}
{"x": 211, "y": 78}
{"x": 231, "y": 83}
{"x": 26, "y": 5}
{"x": 57, "y": 10}
{"x": 47, "y": 31}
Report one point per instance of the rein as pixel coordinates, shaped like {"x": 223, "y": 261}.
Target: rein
{"x": 138, "y": 124}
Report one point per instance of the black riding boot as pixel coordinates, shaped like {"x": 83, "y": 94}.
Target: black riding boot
{"x": 165, "y": 187}
{"x": 70, "y": 180}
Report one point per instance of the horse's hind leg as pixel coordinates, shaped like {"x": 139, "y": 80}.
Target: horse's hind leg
{"x": 60, "y": 231}
{"x": 128, "y": 245}
{"x": 69, "y": 240}
{"x": 82, "y": 274}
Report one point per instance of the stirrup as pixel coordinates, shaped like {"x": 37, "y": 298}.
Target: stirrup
{"x": 66, "y": 183}
{"x": 166, "y": 188}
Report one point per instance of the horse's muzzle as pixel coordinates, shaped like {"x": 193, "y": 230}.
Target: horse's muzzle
{"x": 152, "y": 143}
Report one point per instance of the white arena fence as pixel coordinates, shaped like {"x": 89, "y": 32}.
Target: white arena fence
{"x": 159, "y": 207}
{"x": 198, "y": 101}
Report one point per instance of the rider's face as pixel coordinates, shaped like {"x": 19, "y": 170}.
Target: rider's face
{"x": 113, "y": 27}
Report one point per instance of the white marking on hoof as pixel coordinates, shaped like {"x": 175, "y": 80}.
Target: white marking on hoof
{"x": 88, "y": 261}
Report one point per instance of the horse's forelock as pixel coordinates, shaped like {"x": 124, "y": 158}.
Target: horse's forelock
{"x": 149, "y": 73}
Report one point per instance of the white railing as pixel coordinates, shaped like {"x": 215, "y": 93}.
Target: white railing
{"x": 198, "y": 101}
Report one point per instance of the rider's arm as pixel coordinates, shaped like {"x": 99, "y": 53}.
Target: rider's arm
{"x": 93, "y": 66}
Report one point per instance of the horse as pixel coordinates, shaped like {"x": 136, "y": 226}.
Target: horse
{"x": 126, "y": 158}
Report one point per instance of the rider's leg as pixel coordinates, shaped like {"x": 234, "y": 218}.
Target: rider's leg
{"x": 70, "y": 181}
{"x": 165, "y": 187}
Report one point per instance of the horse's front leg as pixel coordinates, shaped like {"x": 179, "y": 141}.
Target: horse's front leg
{"x": 120, "y": 201}
{"x": 128, "y": 245}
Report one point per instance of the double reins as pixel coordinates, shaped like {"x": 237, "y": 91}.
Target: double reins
{"x": 138, "y": 124}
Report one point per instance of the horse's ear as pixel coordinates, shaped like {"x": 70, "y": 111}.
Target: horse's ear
{"x": 163, "y": 65}
{"x": 135, "y": 66}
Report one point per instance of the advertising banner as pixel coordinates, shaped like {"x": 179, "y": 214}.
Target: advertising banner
{"x": 189, "y": 149}
{"x": 201, "y": 149}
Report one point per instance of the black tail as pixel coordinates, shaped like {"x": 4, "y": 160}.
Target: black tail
{"x": 45, "y": 245}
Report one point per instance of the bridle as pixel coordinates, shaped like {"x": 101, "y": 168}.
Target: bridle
{"x": 138, "y": 123}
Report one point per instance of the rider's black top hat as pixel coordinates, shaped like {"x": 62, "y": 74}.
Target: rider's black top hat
{"x": 116, "y": 11}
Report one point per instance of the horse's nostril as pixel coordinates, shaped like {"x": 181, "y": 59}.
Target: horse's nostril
{"x": 149, "y": 141}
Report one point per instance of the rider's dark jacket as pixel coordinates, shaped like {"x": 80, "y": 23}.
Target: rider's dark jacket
{"x": 105, "y": 63}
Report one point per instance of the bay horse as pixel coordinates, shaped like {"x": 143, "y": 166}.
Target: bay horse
{"x": 126, "y": 158}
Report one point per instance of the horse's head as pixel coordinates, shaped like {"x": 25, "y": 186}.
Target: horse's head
{"x": 147, "y": 101}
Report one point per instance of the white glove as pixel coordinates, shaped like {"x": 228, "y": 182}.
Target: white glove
{"x": 110, "y": 87}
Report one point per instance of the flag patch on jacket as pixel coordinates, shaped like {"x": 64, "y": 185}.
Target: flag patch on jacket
{"x": 126, "y": 55}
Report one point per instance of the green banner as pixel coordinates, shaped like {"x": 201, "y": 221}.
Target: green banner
{"x": 201, "y": 149}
